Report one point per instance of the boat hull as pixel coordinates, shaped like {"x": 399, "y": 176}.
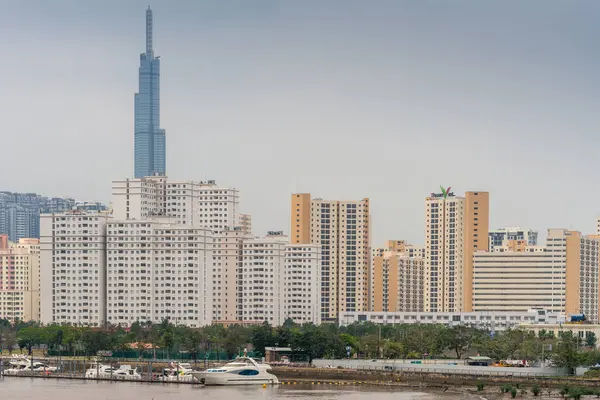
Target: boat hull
{"x": 226, "y": 379}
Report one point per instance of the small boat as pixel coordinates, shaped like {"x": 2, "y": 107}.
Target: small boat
{"x": 178, "y": 372}
{"x": 102, "y": 371}
{"x": 241, "y": 371}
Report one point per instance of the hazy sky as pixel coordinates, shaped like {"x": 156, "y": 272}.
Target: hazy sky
{"x": 343, "y": 99}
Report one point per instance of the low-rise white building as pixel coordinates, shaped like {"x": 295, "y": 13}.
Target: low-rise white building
{"x": 158, "y": 270}
{"x": 73, "y": 267}
{"x": 493, "y": 321}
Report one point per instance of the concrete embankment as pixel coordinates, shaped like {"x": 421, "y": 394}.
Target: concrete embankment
{"x": 419, "y": 379}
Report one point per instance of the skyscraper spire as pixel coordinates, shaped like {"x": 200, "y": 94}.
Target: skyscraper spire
{"x": 149, "y": 50}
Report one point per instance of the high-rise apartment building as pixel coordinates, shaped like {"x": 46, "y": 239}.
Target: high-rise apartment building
{"x": 262, "y": 274}
{"x": 73, "y": 267}
{"x": 150, "y": 142}
{"x": 498, "y": 236}
{"x": 227, "y": 274}
{"x": 398, "y": 278}
{"x": 20, "y": 279}
{"x": 184, "y": 202}
{"x": 561, "y": 276}
{"x": 455, "y": 227}
{"x": 280, "y": 280}
{"x": 342, "y": 230}
{"x": 245, "y": 222}
{"x": 301, "y": 286}
{"x": 157, "y": 270}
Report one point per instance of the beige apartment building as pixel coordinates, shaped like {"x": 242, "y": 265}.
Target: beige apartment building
{"x": 455, "y": 227}
{"x": 561, "y": 276}
{"x": 20, "y": 279}
{"x": 342, "y": 230}
{"x": 397, "y": 278}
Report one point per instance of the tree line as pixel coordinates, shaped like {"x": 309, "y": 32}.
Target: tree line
{"x": 361, "y": 340}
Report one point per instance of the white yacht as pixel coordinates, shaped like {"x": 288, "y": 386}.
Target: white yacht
{"x": 241, "y": 371}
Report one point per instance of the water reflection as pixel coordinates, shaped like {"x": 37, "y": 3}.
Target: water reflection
{"x": 51, "y": 389}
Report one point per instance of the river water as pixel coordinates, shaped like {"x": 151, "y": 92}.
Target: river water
{"x": 53, "y": 389}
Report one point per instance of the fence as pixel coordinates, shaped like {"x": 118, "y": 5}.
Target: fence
{"x": 158, "y": 354}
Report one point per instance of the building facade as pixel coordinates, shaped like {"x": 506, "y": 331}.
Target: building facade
{"x": 561, "y": 276}
{"x": 20, "y": 279}
{"x": 73, "y": 268}
{"x": 149, "y": 137}
{"x": 455, "y": 227}
{"x": 301, "y": 286}
{"x": 342, "y": 230}
{"x": 227, "y": 278}
{"x": 498, "y": 236}
{"x": 157, "y": 270}
{"x": 398, "y": 278}
{"x": 262, "y": 275}
{"x": 184, "y": 202}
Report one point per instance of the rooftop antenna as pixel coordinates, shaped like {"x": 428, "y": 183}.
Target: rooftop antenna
{"x": 149, "y": 51}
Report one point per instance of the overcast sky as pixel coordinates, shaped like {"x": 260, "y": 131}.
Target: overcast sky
{"x": 343, "y": 99}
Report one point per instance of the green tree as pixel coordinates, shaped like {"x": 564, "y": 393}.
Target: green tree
{"x": 310, "y": 340}
{"x": 460, "y": 338}
{"x": 566, "y": 352}
{"x": 590, "y": 339}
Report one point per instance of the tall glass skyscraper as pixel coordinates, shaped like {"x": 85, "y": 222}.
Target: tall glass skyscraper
{"x": 150, "y": 146}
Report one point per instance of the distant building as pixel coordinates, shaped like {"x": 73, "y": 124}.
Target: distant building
{"x": 342, "y": 230}
{"x": 561, "y": 276}
{"x": 20, "y": 212}
{"x": 455, "y": 227}
{"x": 20, "y": 279}
{"x": 398, "y": 277}
{"x": 498, "y": 236}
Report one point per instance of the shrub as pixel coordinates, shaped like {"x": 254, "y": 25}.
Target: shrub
{"x": 535, "y": 390}
{"x": 575, "y": 393}
{"x": 513, "y": 392}
{"x": 505, "y": 388}
{"x": 480, "y": 386}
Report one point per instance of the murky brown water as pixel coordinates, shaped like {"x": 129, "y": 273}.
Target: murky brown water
{"x": 50, "y": 389}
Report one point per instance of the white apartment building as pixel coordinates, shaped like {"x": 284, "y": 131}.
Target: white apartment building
{"x": 444, "y": 241}
{"x": 226, "y": 280}
{"x": 157, "y": 270}
{"x": 301, "y": 290}
{"x": 73, "y": 268}
{"x": 20, "y": 280}
{"x": 185, "y": 202}
{"x": 280, "y": 280}
{"x": 262, "y": 275}
{"x": 561, "y": 276}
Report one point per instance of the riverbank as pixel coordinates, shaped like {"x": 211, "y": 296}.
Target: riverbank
{"x": 424, "y": 379}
